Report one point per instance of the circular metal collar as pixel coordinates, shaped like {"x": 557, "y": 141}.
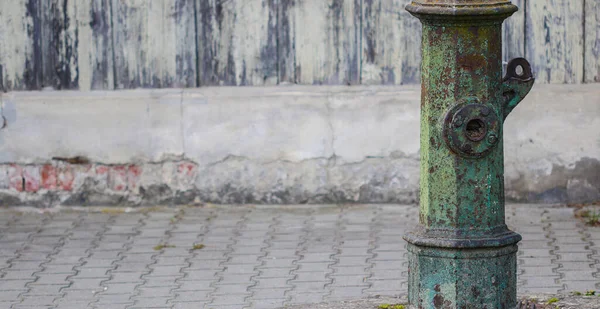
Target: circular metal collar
{"x": 461, "y": 9}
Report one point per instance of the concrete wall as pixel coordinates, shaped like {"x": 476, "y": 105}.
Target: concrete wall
{"x": 296, "y": 144}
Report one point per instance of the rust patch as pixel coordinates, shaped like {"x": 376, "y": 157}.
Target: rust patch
{"x": 472, "y": 62}
{"x": 438, "y": 301}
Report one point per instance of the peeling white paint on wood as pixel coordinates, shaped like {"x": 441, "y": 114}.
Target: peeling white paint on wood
{"x": 286, "y": 29}
{"x": 254, "y": 42}
{"x": 154, "y": 43}
{"x": 411, "y": 48}
{"x": 513, "y": 33}
{"x": 55, "y": 43}
{"x": 16, "y": 46}
{"x": 215, "y": 39}
{"x": 554, "y": 36}
{"x": 59, "y": 44}
{"x": 68, "y": 44}
{"x": 592, "y": 41}
{"x": 327, "y": 41}
{"x": 391, "y": 43}
{"x": 94, "y": 49}
{"x": 71, "y": 40}
{"x": 237, "y": 42}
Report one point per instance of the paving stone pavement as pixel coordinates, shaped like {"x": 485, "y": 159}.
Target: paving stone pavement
{"x": 253, "y": 256}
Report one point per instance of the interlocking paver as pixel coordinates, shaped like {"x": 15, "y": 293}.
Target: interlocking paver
{"x": 45, "y": 289}
{"x": 127, "y": 276}
{"x": 72, "y": 305}
{"x": 151, "y": 302}
{"x": 271, "y": 293}
{"x": 278, "y": 263}
{"x": 192, "y": 296}
{"x": 159, "y": 291}
{"x": 120, "y": 287}
{"x": 347, "y": 281}
{"x": 310, "y": 286}
{"x": 10, "y": 295}
{"x": 163, "y": 281}
{"x": 267, "y": 303}
{"x": 310, "y": 276}
{"x": 306, "y": 298}
{"x": 196, "y": 275}
{"x": 25, "y": 265}
{"x": 229, "y": 299}
{"x": 100, "y": 263}
{"x": 198, "y": 285}
{"x": 87, "y": 284}
{"x": 261, "y": 257}
{"x": 38, "y": 301}
{"x": 113, "y": 299}
{"x": 269, "y": 283}
{"x": 51, "y": 278}
{"x": 346, "y": 293}
{"x": 225, "y": 289}
{"x": 314, "y": 267}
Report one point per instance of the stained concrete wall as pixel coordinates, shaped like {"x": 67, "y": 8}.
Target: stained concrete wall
{"x": 296, "y": 144}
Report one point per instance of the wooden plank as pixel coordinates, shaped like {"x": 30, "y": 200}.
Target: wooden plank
{"x": 154, "y": 43}
{"x": 94, "y": 44}
{"x": 55, "y": 43}
{"x": 215, "y": 39}
{"x": 554, "y": 40}
{"x": 513, "y": 34}
{"x": 59, "y": 44}
{"x": 76, "y": 44}
{"x": 286, "y": 29}
{"x": 592, "y": 41}
{"x": 391, "y": 43}
{"x": 327, "y": 41}
{"x": 20, "y": 50}
{"x": 237, "y": 42}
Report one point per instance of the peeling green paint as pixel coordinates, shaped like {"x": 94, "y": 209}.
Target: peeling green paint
{"x": 462, "y": 255}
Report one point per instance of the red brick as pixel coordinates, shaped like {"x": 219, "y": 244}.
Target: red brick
{"x": 117, "y": 177}
{"x": 49, "y": 177}
{"x": 102, "y": 169}
{"x": 186, "y": 174}
{"x": 32, "y": 177}
{"x": 186, "y": 168}
{"x": 133, "y": 176}
{"x": 100, "y": 174}
{"x": 15, "y": 177}
{"x": 66, "y": 177}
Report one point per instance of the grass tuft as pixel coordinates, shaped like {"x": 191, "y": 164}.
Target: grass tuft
{"x": 552, "y": 300}
{"x": 197, "y": 246}
{"x": 162, "y": 246}
{"x": 388, "y": 306}
{"x": 590, "y": 293}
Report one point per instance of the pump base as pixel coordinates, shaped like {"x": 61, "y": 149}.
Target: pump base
{"x": 473, "y": 278}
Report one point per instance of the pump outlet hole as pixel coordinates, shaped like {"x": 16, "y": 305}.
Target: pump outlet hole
{"x": 475, "y": 130}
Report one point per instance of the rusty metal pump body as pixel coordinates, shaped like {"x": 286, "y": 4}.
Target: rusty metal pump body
{"x": 462, "y": 255}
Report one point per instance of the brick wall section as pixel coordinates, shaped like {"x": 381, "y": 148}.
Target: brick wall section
{"x": 95, "y": 184}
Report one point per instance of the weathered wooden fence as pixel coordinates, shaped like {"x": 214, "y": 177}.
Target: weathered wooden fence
{"x": 116, "y": 44}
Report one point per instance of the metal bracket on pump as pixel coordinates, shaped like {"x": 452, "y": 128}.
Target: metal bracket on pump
{"x": 516, "y": 84}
